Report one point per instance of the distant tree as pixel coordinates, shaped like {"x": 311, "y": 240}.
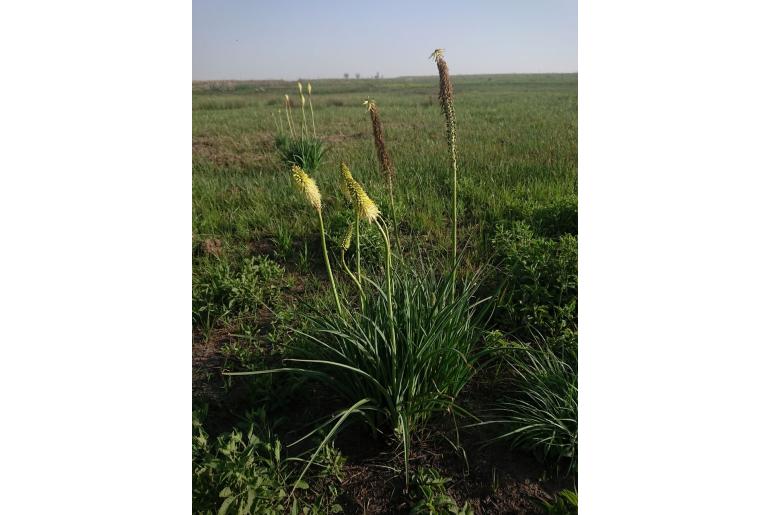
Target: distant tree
{"x": 346, "y": 76}
{"x": 358, "y": 75}
{"x": 377, "y": 75}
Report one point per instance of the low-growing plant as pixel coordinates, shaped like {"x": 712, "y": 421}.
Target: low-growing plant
{"x": 222, "y": 291}
{"x": 305, "y": 152}
{"x": 430, "y": 496}
{"x": 538, "y": 412}
{"x": 539, "y": 293}
{"x": 566, "y": 503}
{"x": 249, "y": 472}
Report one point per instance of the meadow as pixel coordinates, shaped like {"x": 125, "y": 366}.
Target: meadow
{"x": 441, "y": 389}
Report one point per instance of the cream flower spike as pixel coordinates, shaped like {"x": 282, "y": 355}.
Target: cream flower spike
{"x": 364, "y": 206}
{"x": 307, "y": 186}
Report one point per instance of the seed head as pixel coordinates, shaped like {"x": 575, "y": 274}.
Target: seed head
{"x": 302, "y": 98}
{"x": 286, "y": 100}
{"x": 299, "y": 86}
{"x": 364, "y": 206}
{"x": 445, "y": 97}
{"x": 386, "y": 165}
{"x": 309, "y": 89}
{"x": 306, "y": 186}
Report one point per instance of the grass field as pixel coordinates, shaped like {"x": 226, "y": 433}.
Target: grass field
{"x": 258, "y": 272}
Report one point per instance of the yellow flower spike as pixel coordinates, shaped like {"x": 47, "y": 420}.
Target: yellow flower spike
{"x": 302, "y": 98}
{"x": 348, "y": 238}
{"x": 299, "y": 85}
{"x": 364, "y": 206}
{"x": 309, "y": 89}
{"x": 307, "y": 186}
{"x": 286, "y": 99}
{"x": 437, "y": 54}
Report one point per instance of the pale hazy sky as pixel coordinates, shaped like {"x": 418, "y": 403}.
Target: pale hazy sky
{"x": 271, "y": 39}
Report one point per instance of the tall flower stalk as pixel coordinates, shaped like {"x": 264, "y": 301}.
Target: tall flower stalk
{"x": 302, "y": 102}
{"x": 287, "y": 105}
{"x": 386, "y": 165}
{"x": 309, "y": 189}
{"x": 367, "y": 210}
{"x": 310, "y": 100}
{"x": 445, "y": 98}
{"x": 356, "y": 280}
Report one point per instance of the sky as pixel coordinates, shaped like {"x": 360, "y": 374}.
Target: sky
{"x": 271, "y": 39}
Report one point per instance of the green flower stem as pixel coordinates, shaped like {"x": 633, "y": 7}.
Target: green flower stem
{"x": 304, "y": 122}
{"x": 454, "y": 219}
{"x": 358, "y": 251}
{"x": 312, "y": 115}
{"x": 388, "y": 266}
{"x": 393, "y": 212}
{"x": 353, "y": 276}
{"x": 326, "y": 259}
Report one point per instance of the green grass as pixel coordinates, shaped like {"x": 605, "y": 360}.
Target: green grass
{"x": 517, "y": 144}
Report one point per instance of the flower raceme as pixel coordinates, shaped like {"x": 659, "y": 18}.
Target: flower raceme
{"x": 364, "y": 206}
{"x": 306, "y": 186}
{"x": 347, "y": 240}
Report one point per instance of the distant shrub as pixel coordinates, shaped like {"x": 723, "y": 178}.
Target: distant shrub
{"x": 221, "y": 291}
{"x": 560, "y": 217}
{"x": 250, "y": 473}
{"x": 539, "y": 291}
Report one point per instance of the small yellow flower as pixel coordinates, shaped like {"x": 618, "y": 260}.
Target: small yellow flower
{"x": 307, "y": 186}
{"x": 364, "y": 206}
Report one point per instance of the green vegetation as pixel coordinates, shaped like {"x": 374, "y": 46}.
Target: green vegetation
{"x": 537, "y": 408}
{"x": 344, "y": 301}
{"x": 248, "y": 472}
{"x": 430, "y": 495}
{"x": 539, "y": 281}
{"x": 566, "y": 503}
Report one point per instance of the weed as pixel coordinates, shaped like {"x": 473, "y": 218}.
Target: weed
{"x": 249, "y": 472}
{"x": 283, "y": 241}
{"x": 539, "y": 292}
{"x": 430, "y": 496}
{"x": 221, "y": 292}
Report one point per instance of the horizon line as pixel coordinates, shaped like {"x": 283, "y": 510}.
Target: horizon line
{"x": 385, "y": 78}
